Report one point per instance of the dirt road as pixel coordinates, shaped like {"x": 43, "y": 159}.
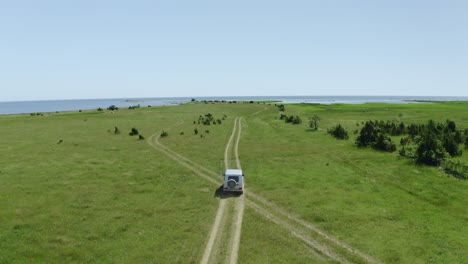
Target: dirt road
{"x": 316, "y": 239}
{"x": 222, "y": 242}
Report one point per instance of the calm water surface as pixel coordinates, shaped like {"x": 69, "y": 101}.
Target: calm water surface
{"x": 21, "y": 107}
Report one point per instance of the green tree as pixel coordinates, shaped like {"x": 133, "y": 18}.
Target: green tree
{"x": 314, "y": 122}
{"x": 430, "y": 150}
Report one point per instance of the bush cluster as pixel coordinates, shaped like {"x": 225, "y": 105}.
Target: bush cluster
{"x": 295, "y": 120}
{"x": 134, "y": 106}
{"x": 133, "y": 132}
{"x": 209, "y": 119}
{"x": 374, "y": 134}
{"x": 112, "y": 108}
{"x": 435, "y": 142}
{"x": 456, "y": 168}
{"x": 338, "y": 132}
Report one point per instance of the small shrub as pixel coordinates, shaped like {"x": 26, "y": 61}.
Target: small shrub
{"x": 207, "y": 131}
{"x": 134, "y": 106}
{"x": 133, "y": 132}
{"x": 456, "y": 168}
{"x": 112, "y": 108}
{"x": 296, "y": 120}
{"x": 195, "y": 131}
{"x": 339, "y": 132}
{"x": 141, "y": 137}
{"x": 116, "y": 130}
{"x": 100, "y": 109}
{"x": 164, "y": 134}
{"x": 181, "y": 133}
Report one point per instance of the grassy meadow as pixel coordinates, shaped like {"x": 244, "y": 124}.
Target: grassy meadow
{"x": 71, "y": 190}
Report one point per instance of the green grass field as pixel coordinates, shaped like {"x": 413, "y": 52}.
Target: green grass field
{"x": 99, "y": 197}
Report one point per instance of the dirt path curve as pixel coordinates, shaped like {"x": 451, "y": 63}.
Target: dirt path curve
{"x": 317, "y": 239}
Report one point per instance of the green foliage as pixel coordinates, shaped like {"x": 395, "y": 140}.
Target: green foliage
{"x": 373, "y": 134}
{"x": 100, "y": 109}
{"x": 116, "y": 130}
{"x": 384, "y": 143}
{"x": 338, "y": 132}
{"x": 458, "y": 168}
{"x": 133, "y": 132}
{"x": 112, "y": 108}
{"x": 209, "y": 119}
{"x": 141, "y": 137}
{"x": 430, "y": 150}
{"x": 164, "y": 134}
{"x": 134, "y": 106}
{"x": 295, "y": 120}
{"x": 368, "y": 135}
{"x": 314, "y": 122}
{"x": 112, "y": 191}
{"x": 281, "y": 108}
{"x": 195, "y": 131}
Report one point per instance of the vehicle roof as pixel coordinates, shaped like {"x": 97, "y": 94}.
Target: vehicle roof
{"x": 233, "y": 172}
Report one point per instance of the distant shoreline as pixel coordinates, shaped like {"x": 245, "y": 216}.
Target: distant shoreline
{"x": 52, "y": 106}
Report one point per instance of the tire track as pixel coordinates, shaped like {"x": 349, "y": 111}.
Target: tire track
{"x": 271, "y": 211}
{"x": 214, "y": 232}
{"x": 239, "y": 204}
{"x": 211, "y": 248}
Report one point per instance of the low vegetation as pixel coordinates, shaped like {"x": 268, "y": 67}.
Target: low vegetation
{"x": 314, "y": 122}
{"x": 209, "y": 119}
{"x": 133, "y": 132}
{"x": 338, "y": 132}
{"x": 112, "y": 108}
{"x": 97, "y": 197}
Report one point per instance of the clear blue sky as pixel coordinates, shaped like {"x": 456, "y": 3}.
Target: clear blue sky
{"x": 112, "y": 49}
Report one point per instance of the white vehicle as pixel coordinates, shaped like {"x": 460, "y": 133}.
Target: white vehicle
{"x": 233, "y": 181}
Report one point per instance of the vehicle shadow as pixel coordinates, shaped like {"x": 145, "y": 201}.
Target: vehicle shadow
{"x": 220, "y": 193}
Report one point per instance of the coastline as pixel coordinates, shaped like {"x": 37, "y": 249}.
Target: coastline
{"x": 67, "y": 106}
